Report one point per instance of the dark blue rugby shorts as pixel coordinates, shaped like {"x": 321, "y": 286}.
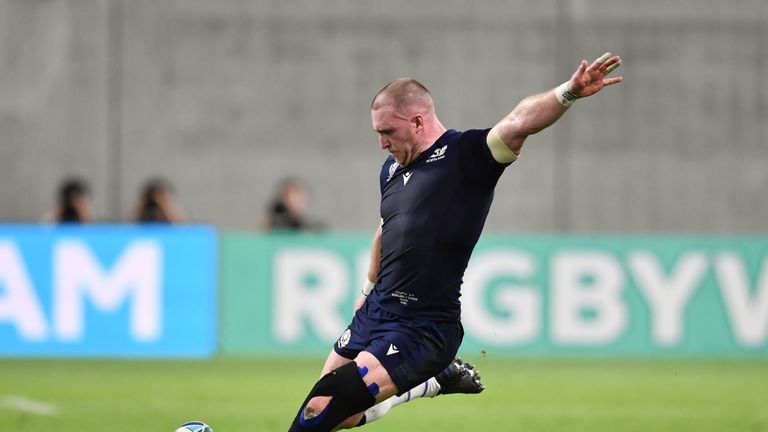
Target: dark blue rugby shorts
{"x": 411, "y": 353}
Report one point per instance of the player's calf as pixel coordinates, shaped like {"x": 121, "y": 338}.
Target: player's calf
{"x": 458, "y": 377}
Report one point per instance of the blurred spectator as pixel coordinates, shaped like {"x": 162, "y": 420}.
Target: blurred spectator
{"x": 287, "y": 211}
{"x": 73, "y": 203}
{"x": 156, "y": 204}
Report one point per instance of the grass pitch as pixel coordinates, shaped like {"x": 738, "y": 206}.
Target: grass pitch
{"x": 234, "y": 395}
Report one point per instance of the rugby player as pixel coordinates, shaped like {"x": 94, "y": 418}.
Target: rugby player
{"x": 437, "y": 186}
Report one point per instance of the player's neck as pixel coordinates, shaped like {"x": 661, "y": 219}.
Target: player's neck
{"x": 426, "y": 142}
{"x": 434, "y": 132}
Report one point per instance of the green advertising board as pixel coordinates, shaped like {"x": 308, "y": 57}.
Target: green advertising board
{"x": 522, "y": 295}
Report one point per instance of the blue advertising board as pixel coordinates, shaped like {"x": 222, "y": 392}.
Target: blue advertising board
{"x": 108, "y": 291}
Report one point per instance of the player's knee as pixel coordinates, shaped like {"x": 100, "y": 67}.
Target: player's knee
{"x": 337, "y": 396}
{"x": 315, "y": 406}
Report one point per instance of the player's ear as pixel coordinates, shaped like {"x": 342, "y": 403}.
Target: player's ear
{"x": 418, "y": 122}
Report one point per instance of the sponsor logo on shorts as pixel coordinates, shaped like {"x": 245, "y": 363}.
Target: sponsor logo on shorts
{"x": 344, "y": 339}
{"x": 392, "y": 349}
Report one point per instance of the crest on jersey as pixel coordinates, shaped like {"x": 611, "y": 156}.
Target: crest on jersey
{"x": 438, "y": 154}
{"x": 392, "y": 169}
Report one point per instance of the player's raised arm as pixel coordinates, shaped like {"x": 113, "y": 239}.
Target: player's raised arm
{"x": 536, "y": 112}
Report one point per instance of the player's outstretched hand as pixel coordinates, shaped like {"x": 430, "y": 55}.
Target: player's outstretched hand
{"x": 589, "y": 79}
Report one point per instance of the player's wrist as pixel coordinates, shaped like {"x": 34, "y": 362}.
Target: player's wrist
{"x": 565, "y": 95}
{"x": 367, "y": 288}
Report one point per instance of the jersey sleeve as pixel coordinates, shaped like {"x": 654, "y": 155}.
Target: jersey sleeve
{"x": 475, "y": 154}
{"x": 477, "y": 163}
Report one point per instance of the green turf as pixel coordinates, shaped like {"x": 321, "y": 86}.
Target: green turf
{"x": 236, "y": 395}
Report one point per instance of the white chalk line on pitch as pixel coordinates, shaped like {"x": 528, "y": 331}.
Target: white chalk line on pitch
{"x": 22, "y": 404}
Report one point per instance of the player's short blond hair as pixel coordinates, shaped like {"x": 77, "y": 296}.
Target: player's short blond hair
{"x": 404, "y": 94}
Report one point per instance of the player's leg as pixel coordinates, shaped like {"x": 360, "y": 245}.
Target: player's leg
{"x": 401, "y": 358}
{"x": 343, "y": 389}
{"x": 458, "y": 377}
{"x": 377, "y": 374}
{"x": 344, "y": 392}
{"x": 411, "y": 355}
{"x": 332, "y": 362}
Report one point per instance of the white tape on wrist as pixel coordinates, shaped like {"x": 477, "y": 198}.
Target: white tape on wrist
{"x": 367, "y": 288}
{"x": 564, "y": 95}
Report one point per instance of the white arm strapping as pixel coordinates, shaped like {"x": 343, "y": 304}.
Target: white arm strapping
{"x": 501, "y": 153}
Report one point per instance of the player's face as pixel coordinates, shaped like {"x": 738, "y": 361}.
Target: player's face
{"x": 396, "y": 134}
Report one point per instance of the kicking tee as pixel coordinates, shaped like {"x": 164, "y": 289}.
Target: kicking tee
{"x": 433, "y": 212}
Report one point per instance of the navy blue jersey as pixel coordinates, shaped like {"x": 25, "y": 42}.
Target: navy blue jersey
{"x": 433, "y": 212}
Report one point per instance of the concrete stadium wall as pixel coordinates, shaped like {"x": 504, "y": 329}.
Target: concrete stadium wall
{"x": 225, "y": 98}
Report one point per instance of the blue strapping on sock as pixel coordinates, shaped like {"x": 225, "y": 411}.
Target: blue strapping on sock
{"x": 426, "y": 387}
{"x": 314, "y": 421}
{"x": 363, "y": 371}
{"x": 374, "y": 389}
{"x": 407, "y": 398}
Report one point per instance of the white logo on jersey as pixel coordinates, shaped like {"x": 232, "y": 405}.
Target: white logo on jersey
{"x": 392, "y": 169}
{"x": 392, "y": 350}
{"x": 344, "y": 339}
{"x": 406, "y": 177}
{"x": 438, "y": 154}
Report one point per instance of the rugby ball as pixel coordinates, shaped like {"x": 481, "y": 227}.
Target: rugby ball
{"x": 194, "y": 426}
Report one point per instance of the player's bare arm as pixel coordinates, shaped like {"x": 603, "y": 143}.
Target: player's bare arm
{"x": 373, "y": 267}
{"x": 537, "y": 112}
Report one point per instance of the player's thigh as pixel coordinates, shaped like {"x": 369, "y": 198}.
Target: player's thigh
{"x": 375, "y": 376}
{"x": 411, "y": 354}
{"x": 334, "y": 361}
